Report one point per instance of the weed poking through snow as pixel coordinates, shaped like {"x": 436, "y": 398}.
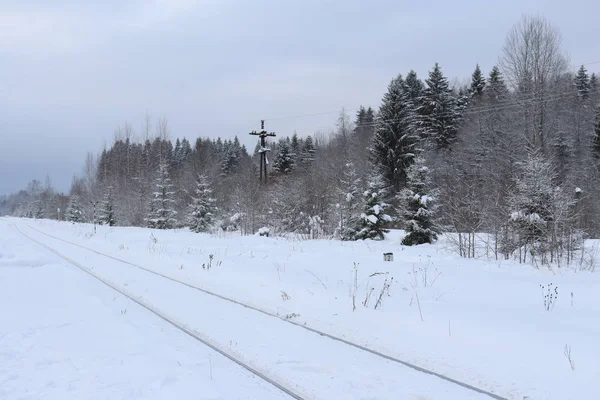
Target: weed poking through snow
{"x": 569, "y": 358}
{"x": 550, "y": 295}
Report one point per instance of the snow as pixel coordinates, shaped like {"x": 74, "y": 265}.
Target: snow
{"x": 66, "y": 336}
{"x": 484, "y": 322}
{"x": 371, "y": 218}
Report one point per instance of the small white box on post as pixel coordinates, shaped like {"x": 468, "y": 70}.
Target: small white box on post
{"x": 388, "y": 256}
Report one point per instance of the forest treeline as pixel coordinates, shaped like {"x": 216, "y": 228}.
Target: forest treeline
{"x": 514, "y": 153}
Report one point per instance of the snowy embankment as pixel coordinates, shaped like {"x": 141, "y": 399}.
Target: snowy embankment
{"x": 64, "y": 335}
{"x": 481, "y": 322}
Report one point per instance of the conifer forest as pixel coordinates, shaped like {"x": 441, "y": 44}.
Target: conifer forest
{"x": 512, "y": 155}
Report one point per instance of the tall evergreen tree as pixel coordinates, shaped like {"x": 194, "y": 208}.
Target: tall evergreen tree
{"x": 596, "y": 137}
{"x": 418, "y": 206}
{"x": 107, "y": 211}
{"x": 308, "y": 152}
{"x": 477, "y": 83}
{"x": 374, "y": 220}
{"x": 438, "y": 114}
{"x": 496, "y": 90}
{"x": 415, "y": 88}
{"x": 284, "y": 161}
{"x": 74, "y": 212}
{"x": 594, "y": 86}
{"x": 582, "y": 83}
{"x": 349, "y": 205}
{"x": 202, "y": 209}
{"x": 295, "y": 147}
{"x": 162, "y": 213}
{"x": 395, "y": 137}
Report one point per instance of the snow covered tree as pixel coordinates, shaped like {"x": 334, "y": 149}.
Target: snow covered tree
{"x": 202, "y": 209}
{"x": 373, "y": 219}
{"x": 107, "y": 208}
{"x": 596, "y": 137}
{"x": 438, "y": 113}
{"x": 284, "y": 162}
{"x": 540, "y": 211}
{"x": 582, "y": 83}
{"x": 594, "y": 86}
{"x": 349, "y": 204}
{"x": 395, "y": 138}
{"x": 74, "y": 212}
{"x": 162, "y": 214}
{"x": 477, "y": 83}
{"x": 496, "y": 90}
{"x": 418, "y": 206}
{"x": 415, "y": 88}
{"x": 308, "y": 152}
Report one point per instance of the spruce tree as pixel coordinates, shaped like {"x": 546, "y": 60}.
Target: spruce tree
{"x": 107, "y": 211}
{"x": 74, "y": 212}
{"x": 162, "y": 214}
{"x": 418, "y": 206}
{"x": 415, "y": 88}
{"x": 496, "y": 90}
{"x": 202, "y": 209}
{"x": 308, "y": 152}
{"x": 582, "y": 83}
{"x": 284, "y": 162}
{"x": 596, "y": 137}
{"x": 349, "y": 205}
{"x": 477, "y": 83}
{"x": 594, "y": 86}
{"x": 373, "y": 220}
{"x": 395, "y": 137}
{"x": 438, "y": 114}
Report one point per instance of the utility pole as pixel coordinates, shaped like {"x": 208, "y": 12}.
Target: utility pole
{"x": 94, "y": 203}
{"x": 263, "y": 150}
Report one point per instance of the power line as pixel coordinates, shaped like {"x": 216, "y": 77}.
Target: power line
{"x": 500, "y": 106}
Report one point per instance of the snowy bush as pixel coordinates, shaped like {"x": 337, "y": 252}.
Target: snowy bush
{"x": 264, "y": 231}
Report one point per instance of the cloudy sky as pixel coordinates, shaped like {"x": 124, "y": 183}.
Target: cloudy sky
{"x": 71, "y": 71}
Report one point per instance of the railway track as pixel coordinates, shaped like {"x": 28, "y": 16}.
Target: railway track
{"x": 194, "y": 334}
{"x": 197, "y": 336}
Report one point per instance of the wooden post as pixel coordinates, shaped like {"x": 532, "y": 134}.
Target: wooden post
{"x": 263, "y": 150}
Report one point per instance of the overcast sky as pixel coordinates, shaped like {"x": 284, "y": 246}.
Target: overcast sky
{"x": 71, "y": 71}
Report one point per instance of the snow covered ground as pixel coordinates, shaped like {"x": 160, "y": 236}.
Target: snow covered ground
{"x": 477, "y": 321}
{"x": 64, "y": 335}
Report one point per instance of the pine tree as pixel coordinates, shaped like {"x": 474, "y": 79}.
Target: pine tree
{"x": 308, "y": 152}
{"x": 107, "y": 211}
{"x": 74, "y": 212}
{"x": 496, "y": 90}
{"x": 284, "y": 162}
{"x": 477, "y": 83}
{"x": 594, "y": 86}
{"x": 373, "y": 219}
{"x": 582, "y": 83}
{"x": 395, "y": 138}
{"x": 202, "y": 209}
{"x": 177, "y": 153}
{"x": 418, "y": 206}
{"x": 596, "y": 137}
{"x": 295, "y": 144}
{"x": 415, "y": 88}
{"x": 349, "y": 205}
{"x": 438, "y": 113}
{"x": 162, "y": 214}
